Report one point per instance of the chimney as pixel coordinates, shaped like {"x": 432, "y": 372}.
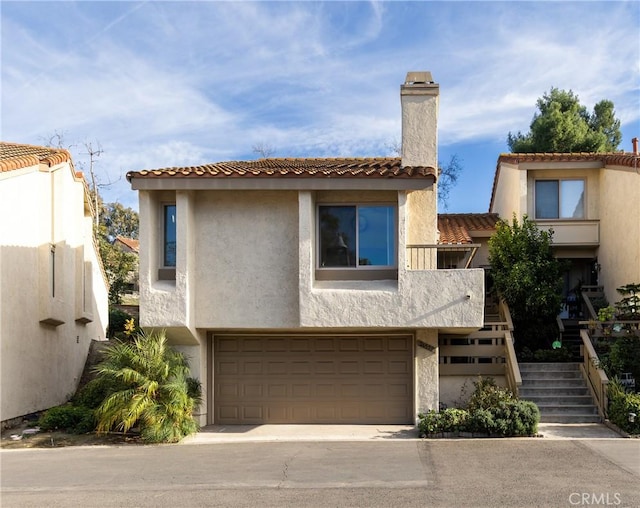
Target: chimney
{"x": 419, "y": 98}
{"x": 634, "y": 142}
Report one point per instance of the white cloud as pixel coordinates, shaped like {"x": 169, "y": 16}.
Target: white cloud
{"x": 166, "y": 83}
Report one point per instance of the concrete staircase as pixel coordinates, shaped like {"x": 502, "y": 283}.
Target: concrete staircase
{"x": 560, "y": 392}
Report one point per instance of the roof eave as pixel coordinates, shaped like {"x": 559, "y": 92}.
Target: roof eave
{"x": 279, "y": 183}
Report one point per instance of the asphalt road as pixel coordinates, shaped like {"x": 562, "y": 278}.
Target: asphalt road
{"x": 402, "y": 473}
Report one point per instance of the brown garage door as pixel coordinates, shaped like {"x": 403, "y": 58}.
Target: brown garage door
{"x": 340, "y": 379}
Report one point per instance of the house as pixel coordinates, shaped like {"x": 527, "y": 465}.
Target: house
{"x": 125, "y": 244}
{"x": 130, "y": 246}
{"x": 591, "y": 201}
{"x": 307, "y": 290}
{"x": 463, "y": 240}
{"x": 53, "y": 300}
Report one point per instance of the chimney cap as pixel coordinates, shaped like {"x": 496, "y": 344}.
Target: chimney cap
{"x": 419, "y": 78}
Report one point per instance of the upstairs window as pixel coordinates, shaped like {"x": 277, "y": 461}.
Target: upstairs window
{"x": 559, "y": 199}
{"x": 169, "y": 243}
{"x": 357, "y": 236}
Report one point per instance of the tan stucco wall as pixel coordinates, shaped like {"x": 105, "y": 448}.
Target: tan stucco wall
{"x": 456, "y": 390}
{"x": 419, "y": 127}
{"x": 510, "y": 193}
{"x": 247, "y": 251}
{"x": 41, "y": 364}
{"x": 619, "y": 253}
{"x": 426, "y": 365}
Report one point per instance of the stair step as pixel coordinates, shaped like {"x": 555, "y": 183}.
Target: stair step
{"x": 528, "y": 392}
{"x": 550, "y": 374}
{"x": 553, "y": 383}
{"x": 559, "y": 399}
{"x": 541, "y": 366}
{"x": 555, "y": 409}
{"x": 570, "y": 418}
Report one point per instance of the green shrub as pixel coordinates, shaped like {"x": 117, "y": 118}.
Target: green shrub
{"x": 96, "y": 391}
{"x": 624, "y": 356}
{"x": 117, "y": 321}
{"x": 448, "y": 420}
{"x": 487, "y": 394}
{"x": 481, "y": 421}
{"x": 157, "y": 395}
{"x": 621, "y": 404}
{"x": 68, "y": 418}
{"x": 491, "y": 410}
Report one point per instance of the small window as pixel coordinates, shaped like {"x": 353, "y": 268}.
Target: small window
{"x": 559, "y": 199}
{"x": 169, "y": 244}
{"x": 357, "y": 236}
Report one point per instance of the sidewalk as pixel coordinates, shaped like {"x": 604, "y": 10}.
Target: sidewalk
{"x": 290, "y": 433}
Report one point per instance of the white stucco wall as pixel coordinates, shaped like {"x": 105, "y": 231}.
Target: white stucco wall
{"x": 41, "y": 363}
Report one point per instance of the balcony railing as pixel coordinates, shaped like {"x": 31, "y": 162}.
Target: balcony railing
{"x": 430, "y": 257}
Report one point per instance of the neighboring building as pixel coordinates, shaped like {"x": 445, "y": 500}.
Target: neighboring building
{"x": 591, "y": 201}
{"x": 130, "y": 246}
{"x": 53, "y": 299}
{"x": 307, "y": 290}
{"x": 464, "y": 239}
{"x": 125, "y": 244}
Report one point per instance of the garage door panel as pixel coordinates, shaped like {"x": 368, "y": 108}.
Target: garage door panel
{"x": 399, "y": 367}
{"x": 313, "y": 380}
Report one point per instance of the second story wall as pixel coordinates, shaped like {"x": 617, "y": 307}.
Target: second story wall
{"x": 619, "y": 252}
{"x": 246, "y": 246}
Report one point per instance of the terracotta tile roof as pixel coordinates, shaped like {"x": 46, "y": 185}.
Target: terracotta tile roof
{"x": 627, "y": 159}
{"x": 132, "y": 243}
{"x": 455, "y": 228}
{"x": 17, "y": 156}
{"x": 370, "y": 167}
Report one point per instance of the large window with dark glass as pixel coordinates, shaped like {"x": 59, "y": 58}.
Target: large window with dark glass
{"x": 169, "y": 243}
{"x": 357, "y": 236}
{"x": 559, "y": 199}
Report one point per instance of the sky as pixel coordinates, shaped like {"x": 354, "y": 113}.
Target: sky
{"x": 159, "y": 84}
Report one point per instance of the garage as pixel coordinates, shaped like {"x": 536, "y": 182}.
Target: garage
{"x": 313, "y": 379}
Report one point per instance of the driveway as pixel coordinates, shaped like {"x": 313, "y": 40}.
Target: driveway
{"x": 394, "y": 472}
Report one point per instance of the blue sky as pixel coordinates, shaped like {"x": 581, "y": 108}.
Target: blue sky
{"x": 161, "y": 84}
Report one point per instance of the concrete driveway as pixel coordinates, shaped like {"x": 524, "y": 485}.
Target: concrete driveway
{"x": 403, "y": 472}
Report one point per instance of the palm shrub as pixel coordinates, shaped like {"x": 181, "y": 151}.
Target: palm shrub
{"x": 156, "y": 393}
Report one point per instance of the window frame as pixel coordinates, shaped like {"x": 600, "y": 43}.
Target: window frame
{"x": 356, "y": 272}
{"x": 167, "y": 272}
{"x": 559, "y": 198}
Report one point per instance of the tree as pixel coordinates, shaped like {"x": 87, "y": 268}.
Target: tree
{"x": 116, "y": 220}
{"x": 264, "y": 150}
{"x": 530, "y": 279}
{"x": 447, "y": 173}
{"x": 447, "y": 179}
{"x": 155, "y": 391}
{"x": 562, "y": 124}
{"x": 119, "y": 221}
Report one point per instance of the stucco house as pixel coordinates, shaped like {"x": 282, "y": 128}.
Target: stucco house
{"x": 53, "y": 299}
{"x": 307, "y": 290}
{"x": 592, "y": 203}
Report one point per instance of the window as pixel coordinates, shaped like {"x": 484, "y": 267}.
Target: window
{"x": 169, "y": 243}
{"x": 559, "y": 199}
{"x": 357, "y": 236}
